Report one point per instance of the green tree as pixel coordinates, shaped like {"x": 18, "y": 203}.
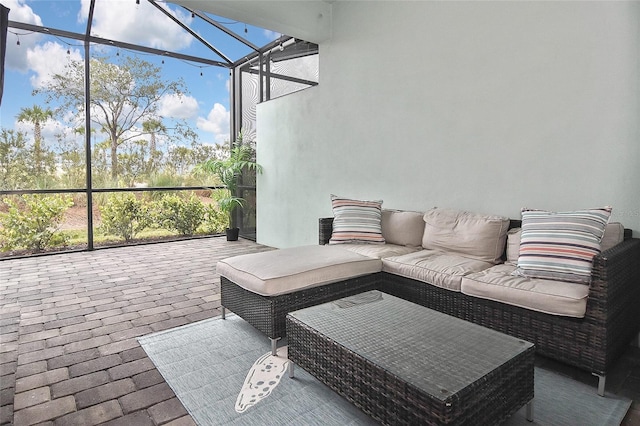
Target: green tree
{"x": 152, "y": 127}
{"x": 36, "y": 116}
{"x": 179, "y": 159}
{"x": 202, "y": 153}
{"x": 123, "y": 96}
{"x": 14, "y": 160}
{"x": 72, "y": 159}
{"x": 133, "y": 162}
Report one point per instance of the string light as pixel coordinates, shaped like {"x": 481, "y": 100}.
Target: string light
{"x": 245, "y": 29}
{"x": 18, "y": 42}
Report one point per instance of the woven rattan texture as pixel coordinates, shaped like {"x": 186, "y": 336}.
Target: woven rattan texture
{"x": 267, "y": 314}
{"x": 417, "y": 367}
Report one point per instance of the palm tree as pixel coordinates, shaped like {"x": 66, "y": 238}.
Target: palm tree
{"x": 36, "y": 115}
{"x": 229, "y": 171}
{"x": 152, "y": 127}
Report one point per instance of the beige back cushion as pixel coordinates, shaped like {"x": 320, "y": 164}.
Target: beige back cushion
{"x": 403, "y": 228}
{"x": 513, "y": 245}
{"x": 613, "y": 235}
{"x": 471, "y": 235}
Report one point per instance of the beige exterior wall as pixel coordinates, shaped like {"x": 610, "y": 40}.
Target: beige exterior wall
{"x": 482, "y": 106}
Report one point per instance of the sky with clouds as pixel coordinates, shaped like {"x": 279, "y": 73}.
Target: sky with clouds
{"x": 32, "y": 58}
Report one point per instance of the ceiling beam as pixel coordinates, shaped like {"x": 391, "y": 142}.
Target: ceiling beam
{"x": 222, "y": 28}
{"x": 120, "y": 44}
{"x": 309, "y": 20}
{"x": 193, "y": 33}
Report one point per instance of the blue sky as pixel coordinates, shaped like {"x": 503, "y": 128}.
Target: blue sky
{"x": 37, "y": 56}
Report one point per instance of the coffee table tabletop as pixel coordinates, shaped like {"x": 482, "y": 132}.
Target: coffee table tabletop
{"x": 446, "y": 353}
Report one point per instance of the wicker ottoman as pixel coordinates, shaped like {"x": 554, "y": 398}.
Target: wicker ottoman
{"x": 262, "y": 287}
{"x": 404, "y": 364}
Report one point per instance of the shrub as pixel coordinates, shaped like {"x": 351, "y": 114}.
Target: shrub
{"x": 183, "y": 215}
{"x": 124, "y": 215}
{"x": 31, "y": 222}
{"x": 215, "y": 220}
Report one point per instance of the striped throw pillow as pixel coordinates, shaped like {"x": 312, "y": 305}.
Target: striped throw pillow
{"x": 561, "y": 246}
{"x": 356, "y": 221}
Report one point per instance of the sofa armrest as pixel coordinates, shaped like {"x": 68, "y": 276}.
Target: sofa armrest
{"x": 325, "y": 228}
{"x": 614, "y": 296}
{"x": 616, "y": 272}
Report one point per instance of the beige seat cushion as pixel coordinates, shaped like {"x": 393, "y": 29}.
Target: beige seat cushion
{"x": 548, "y": 296}
{"x": 434, "y": 267}
{"x": 380, "y": 251}
{"x": 468, "y": 234}
{"x": 284, "y": 271}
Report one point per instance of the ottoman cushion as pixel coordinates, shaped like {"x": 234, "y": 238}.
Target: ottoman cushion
{"x": 284, "y": 271}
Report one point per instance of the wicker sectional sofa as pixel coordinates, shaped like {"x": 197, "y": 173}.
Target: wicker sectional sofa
{"x": 593, "y": 342}
{"x": 587, "y": 326}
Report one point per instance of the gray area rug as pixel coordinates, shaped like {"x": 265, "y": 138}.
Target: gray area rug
{"x": 223, "y": 374}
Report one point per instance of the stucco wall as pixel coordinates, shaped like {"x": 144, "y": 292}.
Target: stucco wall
{"x": 482, "y": 106}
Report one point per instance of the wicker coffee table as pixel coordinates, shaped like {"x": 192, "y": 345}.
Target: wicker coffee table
{"x": 402, "y": 363}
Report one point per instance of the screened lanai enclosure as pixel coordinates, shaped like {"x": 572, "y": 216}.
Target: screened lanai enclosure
{"x": 109, "y": 108}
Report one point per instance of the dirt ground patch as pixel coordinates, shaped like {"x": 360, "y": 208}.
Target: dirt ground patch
{"x": 76, "y": 218}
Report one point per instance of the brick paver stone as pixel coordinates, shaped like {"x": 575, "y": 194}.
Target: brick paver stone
{"x": 139, "y": 418}
{"x": 165, "y": 411}
{"x": 111, "y": 390}
{"x": 146, "y": 397}
{"x": 92, "y": 416}
{"x": 31, "y": 397}
{"x": 130, "y": 368}
{"x": 43, "y": 412}
{"x": 41, "y": 379}
{"x": 78, "y": 384}
{"x": 98, "y": 364}
{"x": 182, "y": 421}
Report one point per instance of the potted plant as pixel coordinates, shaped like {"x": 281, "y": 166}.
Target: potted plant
{"x": 241, "y": 158}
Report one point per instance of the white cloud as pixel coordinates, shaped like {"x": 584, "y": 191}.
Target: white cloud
{"x": 20, "y": 12}
{"x": 217, "y": 122}
{"x": 143, "y": 23}
{"x": 48, "y": 59}
{"x": 16, "y": 58}
{"x": 177, "y": 106}
{"x": 271, "y": 35}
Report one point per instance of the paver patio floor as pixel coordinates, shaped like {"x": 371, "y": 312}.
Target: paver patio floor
{"x": 69, "y": 323}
